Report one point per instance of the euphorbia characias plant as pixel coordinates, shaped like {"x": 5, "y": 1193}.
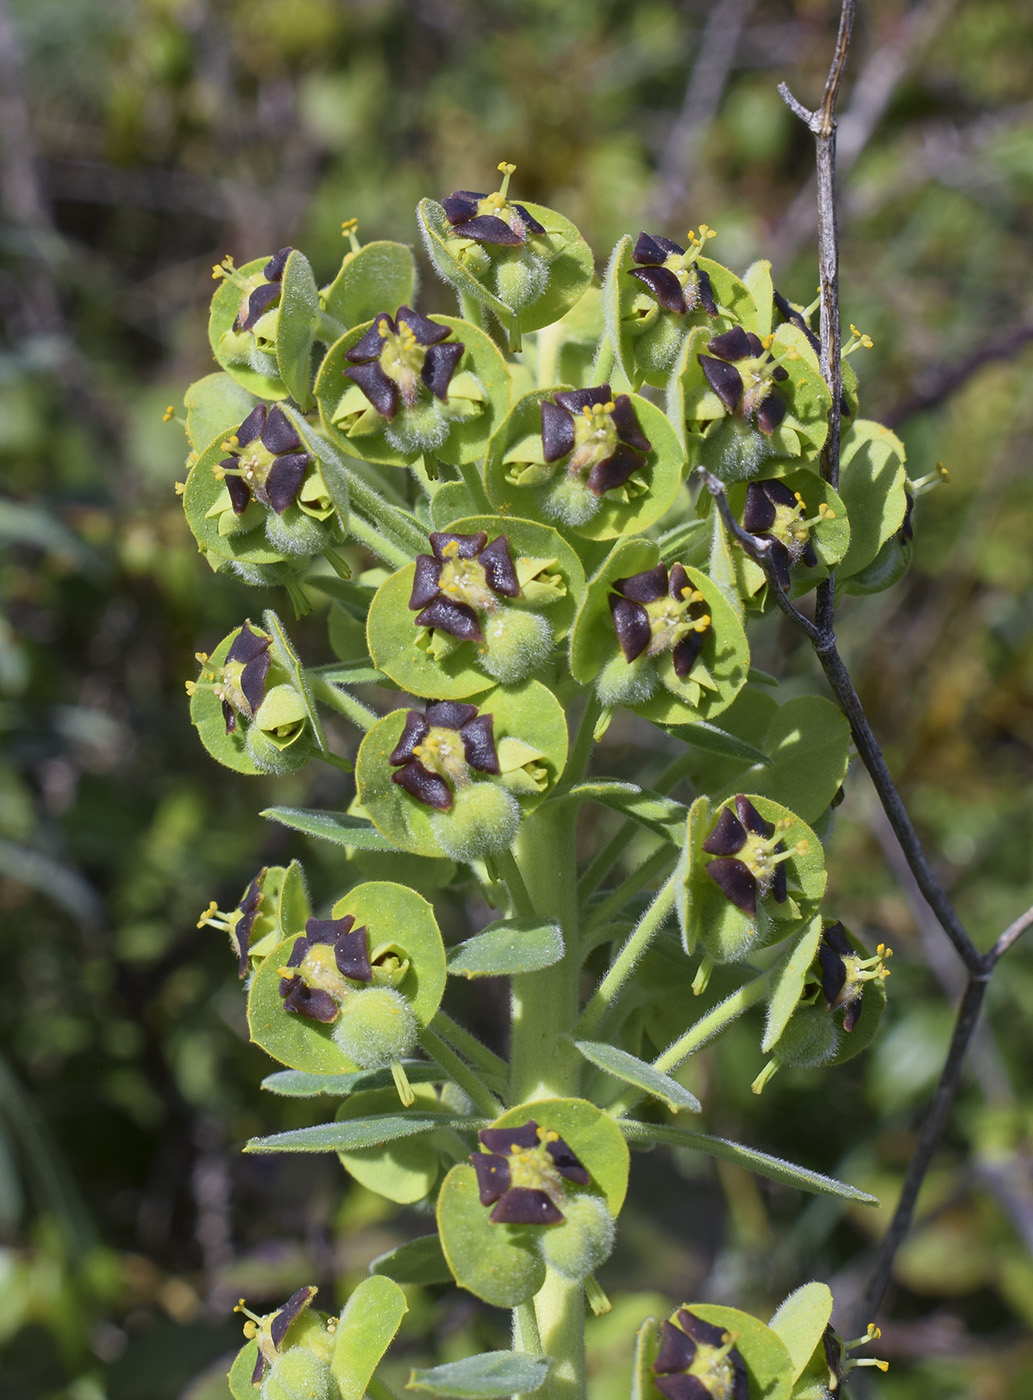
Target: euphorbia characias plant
{"x": 527, "y": 541}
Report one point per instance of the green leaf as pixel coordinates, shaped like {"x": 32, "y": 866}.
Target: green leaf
{"x": 238, "y": 352}
{"x": 216, "y": 406}
{"x": 774, "y": 1168}
{"x": 367, "y": 1132}
{"x": 404, "y": 1171}
{"x": 711, "y": 739}
{"x": 367, "y": 1327}
{"x": 788, "y": 982}
{"x": 660, "y": 815}
{"x": 295, "y": 334}
{"x": 240, "y": 1373}
{"x": 769, "y": 1366}
{"x": 631, "y": 1070}
{"x": 528, "y": 712}
{"x": 498, "y": 1263}
{"x": 871, "y": 484}
{"x": 801, "y": 1320}
{"x": 493, "y": 1373}
{"x": 349, "y": 673}
{"x": 662, "y": 472}
{"x": 336, "y": 827}
{"x": 381, "y": 276}
{"x": 809, "y": 743}
{"x": 300, "y": 1084}
{"x": 507, "y": 948}
{"x": 419, "y": 1261}
{"x": 282, "y": 651}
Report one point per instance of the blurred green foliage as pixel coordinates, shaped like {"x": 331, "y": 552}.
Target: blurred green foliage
{"x": 143, "y": 139}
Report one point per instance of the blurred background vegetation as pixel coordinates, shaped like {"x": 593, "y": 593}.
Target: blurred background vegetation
{"x": 140, "y": 141}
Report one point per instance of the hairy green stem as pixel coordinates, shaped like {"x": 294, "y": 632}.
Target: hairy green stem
{"x": 623, "y": 965}
{"x": 342, "y": 701}
{"x": 378, "y": 543}
{"x": 616, "y": 900}
{"x": 560, "y": 1308}
{"x": 493, "y": 1065}
{"x": 468, "y": 1079}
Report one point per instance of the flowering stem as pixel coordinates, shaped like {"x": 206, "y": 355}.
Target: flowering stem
{"x": 715, "y": 1020}
{"x": 616, "y": 900}
{"x": 375, "y": 541}
{"x": 472, "y": 477}
{"x": 560, "y": 1308}
{"x": 520, "y": 898}
{"x": 526, "y": 1337}
{"x": 623, "y": 965}
{"x": 342, "y": 701}
{"x": 468, "y": 1079}
{"x": 491, "y": 1064}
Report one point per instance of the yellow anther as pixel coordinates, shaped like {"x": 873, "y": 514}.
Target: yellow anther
{"x": 349, "y": 225}
{"x": 942, "y": 472}
{"x": 702, "y": 624}
{"x": 884, "y": 951}
{"x": 206, "y": 918}
{"x": 382, "y": 330}
{"x": 505, "y": 168}
{"x": 179, "y": 487}
{"x": 201, "y": 656}
{"x": 609, "y": 407}
{"x": 169, "y": 414}
{"x": 250, "y": 1329}
{"x": 768, "y": 340}
{"x": 826, "y": 512}
{"x": 450, "y": 549}
{"x": 803, "y": 846}
{"x": 800, "y": 383}
{"x": 219, "y": 472}
{"x": 190, "y": 687}
{"x": 799, "y": 498}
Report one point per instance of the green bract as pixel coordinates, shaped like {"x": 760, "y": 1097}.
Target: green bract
{"x": 650, "y": 683}
{"x": 525, "y": 287}
{"x": 454, "y": 428}
{"x": 517, "y": 632}
{"x": 725, "y": 930}
{"x": 505, "y": 1263}
{"x": 647, "y": 337}
{"x": 530, "y": 736}
{"x": 408, "y": 959}
{"x": 520, "y": 482}
{"x": 254, "y": 712}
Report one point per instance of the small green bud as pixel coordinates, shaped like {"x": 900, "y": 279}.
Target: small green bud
{"x": 623, "y": 682}
{"x": 483, "y": 818}
{"x": 376, "y": 1027}
{"x": 516, "y": 643}
{"x": 576, "y": 1248}
{"x": 520, "y": 278}
{"x": 298, "y": 1375}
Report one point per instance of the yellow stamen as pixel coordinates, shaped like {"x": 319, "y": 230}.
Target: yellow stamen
{"x": 169, "y": 414}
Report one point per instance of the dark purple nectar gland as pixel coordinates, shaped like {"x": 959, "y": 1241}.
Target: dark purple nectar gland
{"x": 844, "y": 972}
{"x": 271, "y": 1329}
{"x": 239, "y": 923}
{"x": 778, "y": 515}
{"x": 461, "y": 582}
{"x": 750, "y": 855}
{"x": 522, "y": 1174}
{"x": 490, "y": 218}
{"x": 669, "y": 273}
{"x": 742, "y": 372}
{"x": 267, "y": 462}
{"x": 654, "y": 613}
{"x": 698, "y": 1361}
{"x": 239, "y": 683}
{"x": 398, "y": 356}
{"x": 600, "y": 435}
{"x": 323, "y": 966}
{"x": 259, "y": 292}
{"x": 438, "y": 748}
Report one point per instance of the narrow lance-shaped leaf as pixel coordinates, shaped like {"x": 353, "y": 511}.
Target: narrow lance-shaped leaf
{"x": 775, "y": 1168}
{"x": 492, "y": 1373}
{"x": 631, "y": 1070}
{"x": 506, "y": 949}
